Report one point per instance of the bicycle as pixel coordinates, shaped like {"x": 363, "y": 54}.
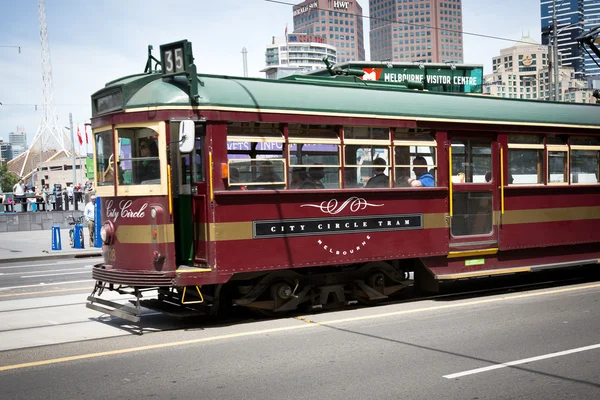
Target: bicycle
{"x": 75, "y": 221}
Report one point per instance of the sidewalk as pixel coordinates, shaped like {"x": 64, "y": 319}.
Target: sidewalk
{"x": 35, "y": 245}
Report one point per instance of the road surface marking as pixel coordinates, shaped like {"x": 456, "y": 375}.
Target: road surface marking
{"x": 48, "y": 270}
{"x": 44, "y": 284}
{"x": 289, "y": 328}
{"x": 523, "y": 361}
{"x": 44, "y": 292}
{"x": 59, "y": 274}
{"x": 45, "y": 265}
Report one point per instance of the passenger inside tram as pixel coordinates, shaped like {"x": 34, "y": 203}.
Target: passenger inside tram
{"x": 423, "y": 177}
{"x": 379, "y": 179}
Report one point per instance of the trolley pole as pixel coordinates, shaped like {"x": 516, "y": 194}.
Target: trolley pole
{"x": 555, "y": 51}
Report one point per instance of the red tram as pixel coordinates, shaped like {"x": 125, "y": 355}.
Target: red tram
{"x": 220, "y": 190}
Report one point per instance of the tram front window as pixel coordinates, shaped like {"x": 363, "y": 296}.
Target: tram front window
{"x": 139, "y": 162}
{"x": 105, "y": 158}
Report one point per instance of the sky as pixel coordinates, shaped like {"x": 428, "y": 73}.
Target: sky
{"x": 94, "y": 42}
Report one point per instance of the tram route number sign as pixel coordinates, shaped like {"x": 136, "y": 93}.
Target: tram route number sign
{"x": 176, "y": 57}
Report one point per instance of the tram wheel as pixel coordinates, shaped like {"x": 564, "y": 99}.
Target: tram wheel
{"x": 375, "y": 284}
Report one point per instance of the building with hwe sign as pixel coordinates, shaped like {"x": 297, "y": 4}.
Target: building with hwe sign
{"x": 339, "y": 22}
{"x": 522, "y": 72}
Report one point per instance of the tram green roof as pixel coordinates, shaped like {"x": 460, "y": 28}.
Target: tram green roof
{"x": 348, "y": 96}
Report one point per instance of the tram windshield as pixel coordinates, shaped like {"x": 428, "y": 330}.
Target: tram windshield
{"x": 139, "y": 163}
{"x": 104, "y": 158}
{"x": 137, "y": 160}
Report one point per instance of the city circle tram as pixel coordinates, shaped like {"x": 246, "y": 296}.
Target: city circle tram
{"x": 315, "y": 191}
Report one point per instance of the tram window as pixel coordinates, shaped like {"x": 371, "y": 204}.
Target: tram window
{"x": 314, "y": 165}
{"x": 585, "y": 160}
{"x": 366, "y": 146}
{"x": 366, "y": 132}
{"x": 473, "y": 213}
{"x": 256, "y": 174}
{"x": 471, "y": 160}
{"x": 525, "y": 164}
{"x": 104, "y": 158}
{"x": 139, "y": 162}
{"x": 411, "y": 145}
{"x": 584, "y": 166}
{"x": 364, "y": 162}
{"x": 314, "y": 154}
{"x": 558, "y": 164}
{"x": 249, "y": 144}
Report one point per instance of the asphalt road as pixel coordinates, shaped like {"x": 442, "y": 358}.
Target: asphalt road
{"x": 431, "y": 349}
{"x": 42, "y": 274}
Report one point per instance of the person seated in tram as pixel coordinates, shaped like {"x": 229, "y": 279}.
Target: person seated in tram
{"x": 313, "y": 180}
{"x": 380, "y": 179}
{"x": 299, "y": 174}
{"x": 149, "y": 169}
{"x": 423, "y": 177}
{"x": 267, "y": 174}
{"x": 234, "y": 177}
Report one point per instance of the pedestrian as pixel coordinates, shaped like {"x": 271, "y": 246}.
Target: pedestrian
{"x": 19, "y": 191}
{"x": 90, "y": 213}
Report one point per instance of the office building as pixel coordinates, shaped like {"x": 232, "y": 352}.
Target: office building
{"x": 521, "y": 72}
{"x": 6, "y": 153}
{"x": 297, "y": 53}
{"x": 416, "y": 30}
{"x": 339, "y": 22}
{"x": 18, "y": 140}
{"x": 574, "y": 17}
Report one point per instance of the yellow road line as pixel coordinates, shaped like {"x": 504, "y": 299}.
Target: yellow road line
{"x": 149, "y": 347}
{"x": 309, "y": 323}
{"x": 44, "y": 292}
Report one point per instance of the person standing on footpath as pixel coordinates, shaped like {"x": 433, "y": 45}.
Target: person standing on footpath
{"x": 90, "y": 214}
{"x": 19, "y": 192}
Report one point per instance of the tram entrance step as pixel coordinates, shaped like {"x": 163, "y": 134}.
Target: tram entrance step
{"x": 170, "y": 309}
{"x": 188, "y": 269}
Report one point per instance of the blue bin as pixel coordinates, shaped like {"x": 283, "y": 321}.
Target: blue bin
{"x": 77, "y": 231}
{"x": 56, "y": 243}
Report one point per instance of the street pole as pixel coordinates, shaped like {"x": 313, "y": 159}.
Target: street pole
{"x": 550, "y": 69}
{"x": 555, "y": 52}
{"x": 72, "y": 149}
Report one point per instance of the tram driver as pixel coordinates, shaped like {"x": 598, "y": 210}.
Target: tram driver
{"x": 423, "y": 177}
{"x": 149, "y": 169}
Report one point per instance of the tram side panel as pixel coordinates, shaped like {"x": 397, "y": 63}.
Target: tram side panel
{"x": 541, "y": 217}
{"x": 271, "y": 231}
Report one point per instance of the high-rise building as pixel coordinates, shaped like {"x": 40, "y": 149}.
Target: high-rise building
{"x": 521, "y": 72}
{"x": 416, "y": 30}
{"x": 339, "y": 22}
{"x": 18, "y": 140}
{"x": 296, "y": 54}
{"x": 573, "y": 18}
{"x": 6, "y": 153}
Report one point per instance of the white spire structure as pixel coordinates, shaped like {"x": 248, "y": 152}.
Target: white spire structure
{"x": 50, "y": 140}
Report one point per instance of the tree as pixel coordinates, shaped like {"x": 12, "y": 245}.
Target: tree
{"x": 8, "y": 178}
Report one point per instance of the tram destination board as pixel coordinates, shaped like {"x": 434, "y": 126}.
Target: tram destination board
{"x": 176, "y": 57}
{"x": 332, "y": 226}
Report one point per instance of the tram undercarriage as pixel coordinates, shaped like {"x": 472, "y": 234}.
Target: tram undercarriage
{"x": 272, "y": 294}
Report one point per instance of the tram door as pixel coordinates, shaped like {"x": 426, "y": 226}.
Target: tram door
{"x": 188, "y": 192}
{"x": 474, "y": 193}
